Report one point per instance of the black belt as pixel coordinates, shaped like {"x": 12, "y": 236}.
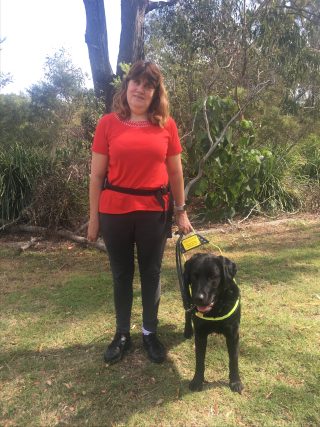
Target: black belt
{"x": 157, "y": 192}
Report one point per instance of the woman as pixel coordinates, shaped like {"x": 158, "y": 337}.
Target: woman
{"x": 135, "y": 154}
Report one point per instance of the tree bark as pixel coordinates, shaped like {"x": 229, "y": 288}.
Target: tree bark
{"x": 132, "y": 31}
{"x": 133, "y": 14}
{"x": 96, "y": 38}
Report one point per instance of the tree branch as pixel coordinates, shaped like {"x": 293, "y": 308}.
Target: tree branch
{"x": 61, "y": 233}
{"x": 222, "y": 135}
{"x": 193, "y": 123}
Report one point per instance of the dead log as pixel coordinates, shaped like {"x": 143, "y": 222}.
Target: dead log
{"x": 68, "y": 235}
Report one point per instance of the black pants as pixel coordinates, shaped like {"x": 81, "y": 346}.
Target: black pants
{"x": 148, "y": 231}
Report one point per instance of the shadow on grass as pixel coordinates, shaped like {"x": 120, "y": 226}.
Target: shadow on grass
{"x": 73, "y": 385}
{"x": 76, "y": 377}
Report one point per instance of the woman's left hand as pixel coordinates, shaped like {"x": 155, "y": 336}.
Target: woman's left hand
{"x": 183, "y": 223}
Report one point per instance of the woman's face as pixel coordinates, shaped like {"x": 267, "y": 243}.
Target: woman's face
{"x": 139, "y": 96}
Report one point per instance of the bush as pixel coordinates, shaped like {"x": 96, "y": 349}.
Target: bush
{"x": 48, "y": 192}
{"x": 19, "y": 169}
{"x": 310, "y": 152}
{"x": 59, "y": 197}
{"x": 280, "y": 188}
{"x": 241, "y": 175}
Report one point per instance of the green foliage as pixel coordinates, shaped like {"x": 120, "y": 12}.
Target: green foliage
{"x": 228, "y": 49}
{"x": 224, "y": 45}
{"x": 310, "y": 151}
{"x": 116, "y": 83}
{"x": 19, "y": 169}
{"x": 57, "y": 102}
{"x": 89, "y": 112}
{"x": 239, "y": 175}
{"x": 267, "y": 160}
{"x": 59, "y": 196}
{"x": 15, "y": 126}
{"x": 278, "y": 186}
{"x": 49, "y": 192}
{"x": 46, "y": 136}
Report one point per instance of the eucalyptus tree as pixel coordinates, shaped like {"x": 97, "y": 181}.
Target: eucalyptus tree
{"x": 216, "y": 56}
{"x": 55, "y": 102}
{"x": 229, "y": 45}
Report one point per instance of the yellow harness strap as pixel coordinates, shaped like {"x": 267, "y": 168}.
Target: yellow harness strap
{"x": 201, "y": 315}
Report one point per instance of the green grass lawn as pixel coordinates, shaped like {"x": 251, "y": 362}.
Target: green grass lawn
{"x": 57, "y": 316}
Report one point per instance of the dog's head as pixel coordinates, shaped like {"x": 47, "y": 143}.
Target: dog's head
{"x": 209, "y": 276}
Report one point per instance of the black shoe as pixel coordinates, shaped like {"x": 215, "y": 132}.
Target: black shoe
{"x": 155, "y": 349}
{"x": 115, "y": 351}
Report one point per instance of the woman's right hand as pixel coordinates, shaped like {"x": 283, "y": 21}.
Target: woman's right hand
{"x": 93, "y": 228}
{"x": 183, "y": 223}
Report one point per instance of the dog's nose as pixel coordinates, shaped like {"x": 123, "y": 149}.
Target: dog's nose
{"x": 199, "y": 299}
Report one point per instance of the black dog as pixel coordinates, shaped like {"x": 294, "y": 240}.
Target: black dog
{"x": 209, "y": 280}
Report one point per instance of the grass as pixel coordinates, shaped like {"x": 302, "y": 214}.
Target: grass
{"x": 57, "y": 316}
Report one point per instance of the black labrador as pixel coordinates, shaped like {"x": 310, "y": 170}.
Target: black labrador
{"x": 216, "y": 300}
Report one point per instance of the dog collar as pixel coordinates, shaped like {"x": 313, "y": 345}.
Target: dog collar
{"x": 201, "y": 315}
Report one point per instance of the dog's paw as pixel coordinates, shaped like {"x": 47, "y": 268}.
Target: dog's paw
{"x": 236, "y": 386}
{"x": 195, "y": 385}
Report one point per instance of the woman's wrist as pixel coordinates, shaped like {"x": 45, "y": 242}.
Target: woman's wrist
{"x": 179, "y": 208}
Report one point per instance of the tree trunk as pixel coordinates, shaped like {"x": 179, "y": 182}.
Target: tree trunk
{"x": 133, "y": 14}
{"x": 132, "y": 31}
{"x": 97, "y": 41}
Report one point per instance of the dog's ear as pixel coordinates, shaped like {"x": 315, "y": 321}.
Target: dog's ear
{"x": 188, "y": 268}
{"x": 229, "y": 269}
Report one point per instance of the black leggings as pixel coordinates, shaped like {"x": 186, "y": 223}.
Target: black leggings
{"x": 120, "y": 233}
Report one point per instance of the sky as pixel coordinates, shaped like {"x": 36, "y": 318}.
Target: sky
{"x": 35, "y": 29}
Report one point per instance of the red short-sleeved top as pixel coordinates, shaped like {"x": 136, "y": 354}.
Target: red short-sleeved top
{"x": 137, "y": 152}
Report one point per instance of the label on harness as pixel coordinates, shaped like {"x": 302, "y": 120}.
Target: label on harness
{"x": 192, "y": 242}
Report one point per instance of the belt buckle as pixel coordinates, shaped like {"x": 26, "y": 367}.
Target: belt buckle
{"x": 163, "y": 189}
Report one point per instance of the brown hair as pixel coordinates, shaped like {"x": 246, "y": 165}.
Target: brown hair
{"x": 158, "y": 112}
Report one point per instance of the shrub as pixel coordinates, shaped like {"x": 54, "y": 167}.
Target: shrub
{"x": 59, "y": 197}
{"x": 310, "y": 151}
{"x": 48, "y": 192}
{"x": 19, "y": 169}
{"x": 240, "y": 175}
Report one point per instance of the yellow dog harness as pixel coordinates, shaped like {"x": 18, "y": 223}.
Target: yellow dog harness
{"x": 201, "y": 315}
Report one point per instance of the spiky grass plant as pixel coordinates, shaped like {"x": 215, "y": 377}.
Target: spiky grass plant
{"x": 19, "y": 168}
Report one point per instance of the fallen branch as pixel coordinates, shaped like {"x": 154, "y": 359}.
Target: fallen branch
{"x": 254, "y": 209}
{"x": 69, "y": 235}
{"x": 99, "y": 244}
{"x": 32, "y": 242}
